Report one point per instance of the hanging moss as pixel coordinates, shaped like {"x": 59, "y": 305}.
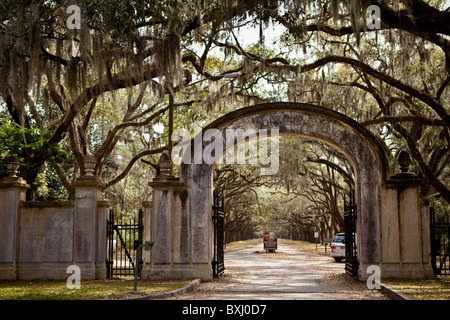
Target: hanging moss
{"x": 167, "y": 59}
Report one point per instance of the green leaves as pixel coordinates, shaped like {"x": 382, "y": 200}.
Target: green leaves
{"x": 29, "y": 145}
{"x": 14, "y": 139}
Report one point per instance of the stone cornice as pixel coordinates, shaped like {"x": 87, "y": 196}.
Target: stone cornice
{"x": 14, "y": 182}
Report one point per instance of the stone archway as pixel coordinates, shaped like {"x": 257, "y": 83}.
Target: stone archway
{"x": 180, "y": 220}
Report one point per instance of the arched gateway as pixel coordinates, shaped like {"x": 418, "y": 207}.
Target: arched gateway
{"x": 392, "y": 229}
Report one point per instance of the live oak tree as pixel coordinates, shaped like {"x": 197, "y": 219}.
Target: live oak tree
{"x": 314, "y": 180}
{"x": 306, "y": 195}
{"x": 238, "y": 187}
{"x": 55, "y": 77}
{"x": 393, "y": 78}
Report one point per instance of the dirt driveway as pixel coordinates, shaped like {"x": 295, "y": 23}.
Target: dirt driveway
{"x": 288, "y": 274}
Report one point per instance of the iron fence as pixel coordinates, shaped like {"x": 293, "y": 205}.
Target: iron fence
{"x": 351, "y": 257}
{"x": 124, "y": 236}
{"x": 218, "y": 262}
{"x": 440, "y": 243}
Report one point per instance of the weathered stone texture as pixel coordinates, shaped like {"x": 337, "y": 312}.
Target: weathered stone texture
{"x": 388, "y": 222}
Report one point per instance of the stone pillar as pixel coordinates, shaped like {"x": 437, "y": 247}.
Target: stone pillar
{"x": 89, "y": 225}
{"x": 12, "y": 192}
{"x": 406, "y": 252}
{"x": 171, "y": 255}
{"x": 102, "y": 241}
{"x": 424, "y": 205}
{"x": 147, "y": 255}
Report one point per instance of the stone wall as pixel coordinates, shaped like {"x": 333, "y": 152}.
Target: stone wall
{"x": 40, "y": 240}
{"x": 45, "y": 239}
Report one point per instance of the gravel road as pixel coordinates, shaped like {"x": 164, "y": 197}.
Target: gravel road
{"x": 287, "y": 274}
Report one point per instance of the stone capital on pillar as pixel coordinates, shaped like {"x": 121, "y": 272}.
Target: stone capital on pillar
{"x": 165, "y": 180}
{"x": 14, "y": 183}
{"x": 404, "y": 177}
{"x": 164, "y": 177}
{"x": 12, "y": 180}
{"x": 91, "y": 182}
{"x": 89, "y": 179}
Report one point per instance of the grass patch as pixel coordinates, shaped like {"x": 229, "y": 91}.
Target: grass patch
{"x": 118, "y": 288}
{"x": 432, "y": 289}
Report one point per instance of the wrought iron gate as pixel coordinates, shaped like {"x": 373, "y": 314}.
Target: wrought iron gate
{"x": 440, "y": 243}
{"x": 218, "y": 264}
{"x": 351, "y": 257}
{"x": 124, "y": 236}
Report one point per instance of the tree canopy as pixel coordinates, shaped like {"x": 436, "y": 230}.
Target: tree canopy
{"x": 114, "y": 79}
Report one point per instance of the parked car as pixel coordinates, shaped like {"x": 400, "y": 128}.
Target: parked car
{"x": 337, "y": 247}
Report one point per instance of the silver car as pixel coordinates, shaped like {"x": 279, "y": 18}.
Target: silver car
{"x": 337, "y": 247}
